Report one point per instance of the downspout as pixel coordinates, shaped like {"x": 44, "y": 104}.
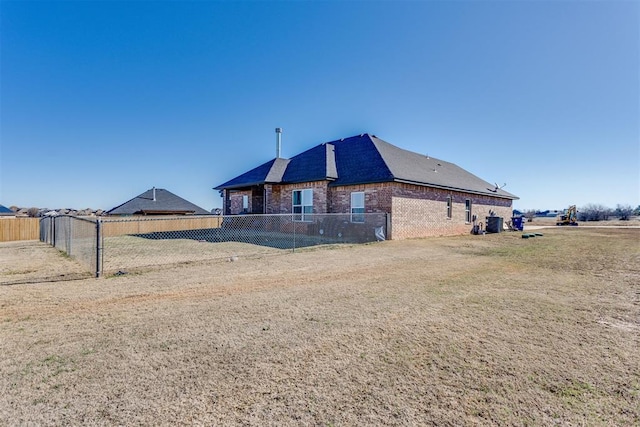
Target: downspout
{"x": 264, "y": 199}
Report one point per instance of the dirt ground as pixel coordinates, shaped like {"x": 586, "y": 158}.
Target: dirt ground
{"x": 471, "y": 330}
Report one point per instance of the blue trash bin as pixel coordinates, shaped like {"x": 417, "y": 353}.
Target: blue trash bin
{"x": 517, "y": 222}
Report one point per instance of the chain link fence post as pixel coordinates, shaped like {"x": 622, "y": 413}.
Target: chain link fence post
{"x": 98, "y": 247}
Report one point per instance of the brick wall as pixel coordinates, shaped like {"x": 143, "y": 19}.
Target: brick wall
{"x": 272, "y": 195}
{"x": 422, "y": 211}
{"x": 377, "y": 197}
{"x": 279, "y": 197}
{"x": 415, "y": 211}
{"x": 235, "y": 198}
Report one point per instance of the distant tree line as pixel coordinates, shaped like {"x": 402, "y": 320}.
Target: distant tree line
{"x": 593, "y": 212}
{"x": 596, "y": 212}
{"x": 34, "y": 212}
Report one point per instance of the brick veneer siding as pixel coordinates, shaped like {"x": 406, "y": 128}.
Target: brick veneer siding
{"x": 422, "y": 211}
{"x": 272, "y": 195}
{"x": 279, "y": 197}
{"x": 377, "y": 197}
{"x": 235, "y": 198}
{"x": 418, "y": 211}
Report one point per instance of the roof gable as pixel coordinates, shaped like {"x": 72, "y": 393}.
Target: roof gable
{"x": 269, "y": 172}
{"x": 163, "y": 202}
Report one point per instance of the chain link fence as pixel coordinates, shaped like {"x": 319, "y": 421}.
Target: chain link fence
{"x": 112, "y": 245}
{"x": 76, "y": 236}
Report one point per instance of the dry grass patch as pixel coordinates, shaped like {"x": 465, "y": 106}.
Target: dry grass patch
{"x": 451, "y": 331}
{"x": 31, "y": 261}
{"x": 131, "y": 253}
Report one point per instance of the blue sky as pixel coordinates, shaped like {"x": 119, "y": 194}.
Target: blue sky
{"x": 101, "y": 101}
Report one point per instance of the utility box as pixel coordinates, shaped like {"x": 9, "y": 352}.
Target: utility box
{"x": 494, "y": 224}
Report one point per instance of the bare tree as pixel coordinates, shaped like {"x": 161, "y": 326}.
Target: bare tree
{"x": 33, "y": 212}
{"x": 623, "y": 212}
{"x": 594, "y": 212}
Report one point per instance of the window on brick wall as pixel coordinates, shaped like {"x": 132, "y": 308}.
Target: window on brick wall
{"x": 245, "y": 204}
{"x": 302, "y": 201}
{"x": 467, "y": 210}
{"x": 449, "y": 207}
{"x": 357, "y": 206}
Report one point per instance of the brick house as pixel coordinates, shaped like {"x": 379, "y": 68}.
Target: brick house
{"x": 364, "y": 174}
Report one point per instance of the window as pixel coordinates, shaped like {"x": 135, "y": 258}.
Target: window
{"x": 449, "y": 207}
{"x": 302, "y": 201}
{"x": 245, "y": 204}
{"x": 357, "y": 207}
{"x": 467, "y": 210}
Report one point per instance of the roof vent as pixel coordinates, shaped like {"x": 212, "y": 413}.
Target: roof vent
{"x": 278, "y": 142}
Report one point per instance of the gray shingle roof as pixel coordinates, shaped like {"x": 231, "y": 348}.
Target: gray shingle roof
{"x": 366, "y": 159}
{"x": 165, "y": 202}
{"x": 407, "y": 166}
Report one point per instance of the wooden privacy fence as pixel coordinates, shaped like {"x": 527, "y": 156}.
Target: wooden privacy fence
{"x": 13, "y": 229}
{"x": 136, "y": 225}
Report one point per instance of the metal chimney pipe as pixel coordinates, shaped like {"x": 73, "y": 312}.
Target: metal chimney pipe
{"x": 154, "y": 194}
{"x": 278, "y": 142}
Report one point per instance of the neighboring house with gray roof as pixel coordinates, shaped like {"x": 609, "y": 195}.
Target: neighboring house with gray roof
{"x": 5, "y": 212}
{"x": 424, "y": 195}
{"x": 157, "y": 201}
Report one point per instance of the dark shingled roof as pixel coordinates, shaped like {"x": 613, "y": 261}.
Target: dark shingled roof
{"x": 270, "y": 172}
{"x": 165, "y": 203}
{"x": 365, "y": 159}
{"x": 316, "y": 164}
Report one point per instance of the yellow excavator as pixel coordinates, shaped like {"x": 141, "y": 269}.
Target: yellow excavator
{"x": 569, "y": 217}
